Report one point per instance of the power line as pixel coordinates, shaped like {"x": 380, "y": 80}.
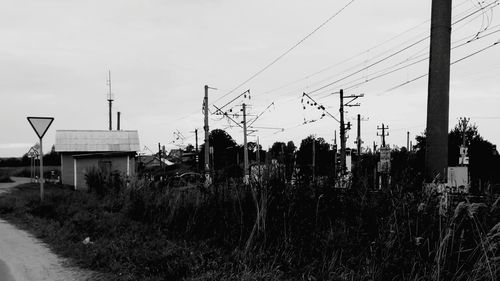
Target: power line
{"x": 287, "y": 51}
{"x": 454, "y": 62}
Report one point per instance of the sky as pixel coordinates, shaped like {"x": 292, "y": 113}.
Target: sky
{"x": 55, "y": 56}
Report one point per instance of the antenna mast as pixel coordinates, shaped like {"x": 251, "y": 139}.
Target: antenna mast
{"x": 110, "y": 100}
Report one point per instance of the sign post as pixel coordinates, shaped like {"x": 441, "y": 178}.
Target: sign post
{"x": 40, "y": 125}
{"x": 32, "y": 155}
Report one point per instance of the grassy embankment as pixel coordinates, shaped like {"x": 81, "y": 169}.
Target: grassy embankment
{"x": 269, "y": 232}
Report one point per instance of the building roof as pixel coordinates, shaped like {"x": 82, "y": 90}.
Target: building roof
{"x": 96, "y": 141}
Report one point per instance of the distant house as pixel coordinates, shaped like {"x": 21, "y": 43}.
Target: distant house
{"x": 107, "y": 151}
{"x": 151, "y": 161}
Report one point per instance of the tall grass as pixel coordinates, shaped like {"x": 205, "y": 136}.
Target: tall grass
{"x": 271, "y": 230}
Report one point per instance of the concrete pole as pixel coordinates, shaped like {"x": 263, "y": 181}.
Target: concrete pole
{"x": 208, "y": 180}
{"x": 196, "y": 135}
{"x": 313, "y": 159}
{"x": 408, "y": 141}
{"x": 436, "y": 153}
{"x": 159, "y": 155}
{"x": 359, "y": 137}
{"x": 383, "y": 135}
{"x": 246, "y": 174}
{"x": 342, "y": 134}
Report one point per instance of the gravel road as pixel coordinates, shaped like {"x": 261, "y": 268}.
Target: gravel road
{"x": 25, "y": 258}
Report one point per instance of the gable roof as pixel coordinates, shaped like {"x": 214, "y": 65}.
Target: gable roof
{"x": 96, "y": 141}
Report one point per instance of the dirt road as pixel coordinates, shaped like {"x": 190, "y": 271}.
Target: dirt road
{"x": 24, "y": 258}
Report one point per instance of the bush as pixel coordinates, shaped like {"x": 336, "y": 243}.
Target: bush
{"x": 5, "y": 179}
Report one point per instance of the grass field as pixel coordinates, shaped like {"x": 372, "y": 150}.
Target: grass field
{"x": 264, "y": 232}
{"x": 26, "y": 172}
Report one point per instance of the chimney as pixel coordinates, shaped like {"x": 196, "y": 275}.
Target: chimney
{"x": 118, "y": 121}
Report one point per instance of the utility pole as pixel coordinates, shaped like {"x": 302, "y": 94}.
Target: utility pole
{"x": 383, "y": 134}
{"x": 159, "y": 155}
{"x": 196, "y": 136}
{"x": 342, "y": 134}
{"x": 408, "y": 141}
{"x": 118, "y": 120}
{"x": 208, "y": 180}
{"x": 313, "y": 158}
{"x": 110, "y": 101}
{"x": 358, "y": 138}
{"x": 343, "y": 127}
{"x": 438, "y": 96}
{"x": 245, "y": 147}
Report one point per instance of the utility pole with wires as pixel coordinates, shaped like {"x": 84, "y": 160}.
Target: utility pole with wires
{"x": 383, "y": 134}
{"x": 344, "y": 127}
{"x": 408, "y": 141}
{"x": 313, "y": 159}
{"x": 208, "y": 180}
{"x": 196, "y": 137}
{"x": 246, "y": 177}
{"x": 358, "y": 140}
{"x": 438, "y": 96}
{"x": 159, "y": 155}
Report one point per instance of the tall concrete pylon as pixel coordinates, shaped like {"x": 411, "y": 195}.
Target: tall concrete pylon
{"x": 438, "y": 96}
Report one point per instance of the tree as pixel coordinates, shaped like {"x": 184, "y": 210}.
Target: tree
{"x": 483, "y": 156}
{"x": 189, "y": 148}
{"x": 324, "y": 157}
{"x": 223, "y": 151}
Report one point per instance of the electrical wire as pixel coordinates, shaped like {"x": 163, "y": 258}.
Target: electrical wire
{"x": 454, "y": 62}
{"x": 286, "y": 52}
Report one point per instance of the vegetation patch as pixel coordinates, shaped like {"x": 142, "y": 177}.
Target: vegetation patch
{"x": 4, "y": 178}
{"x": 269, "y": 231}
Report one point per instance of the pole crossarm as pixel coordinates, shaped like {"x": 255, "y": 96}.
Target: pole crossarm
{"x": 219, "y": 112}
{"x": 229, "y": 102}
{"x": 320, "y": 106}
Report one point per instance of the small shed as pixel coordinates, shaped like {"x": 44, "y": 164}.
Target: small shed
{"x": 84, "y": 150}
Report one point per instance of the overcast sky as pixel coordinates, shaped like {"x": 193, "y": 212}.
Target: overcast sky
{"x": 55, "y": 56}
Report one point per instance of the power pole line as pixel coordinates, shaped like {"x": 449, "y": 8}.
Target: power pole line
{"x": 245, "y": 147}
{"x": 359, "y": 141}
{"x": 408, "y": 141}
{"x": 208, "y": 180}
{"x": 383, "y": 134}
{"x": 313, "y": 158}
{"x": 358, "y": 138}
{"x": 438, "y": 96}
{"x": 159, "y": 155}
{"x": 110, "y": 101}
{"x": 196, "y": 136}
{"x": 343, "y": 126}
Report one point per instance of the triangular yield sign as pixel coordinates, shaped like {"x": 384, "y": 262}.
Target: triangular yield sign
{"x": 40, "y": 124}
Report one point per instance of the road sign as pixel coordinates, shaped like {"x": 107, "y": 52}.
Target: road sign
{"x": 385, "y": 154}
{"x": 463, "y": 150}
{"x": 32, "y": 152}
{"x": 464, "y": 160}
{"x": 40, "y": 124}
